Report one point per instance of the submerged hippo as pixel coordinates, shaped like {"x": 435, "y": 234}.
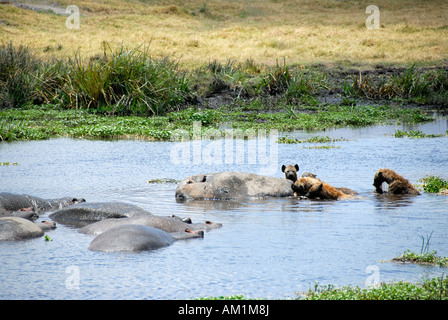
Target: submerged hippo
{"x": 46, "y": 225}
{"x": 10, "y": 202}
{"x": 16, "y": 228}
{"x": 26, "y": 213}
{"x": 82, "y": 214}
{"x": 232, "y": 186}
{"x": 135, "y": 238}
{"x": 167, "y": 224}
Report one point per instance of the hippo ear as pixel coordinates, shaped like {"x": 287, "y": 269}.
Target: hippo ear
{"x": 283, "y": 168}
{"x": 297, "y": 167}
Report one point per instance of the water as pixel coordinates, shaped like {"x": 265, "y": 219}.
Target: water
{"x": 268, "y": 248}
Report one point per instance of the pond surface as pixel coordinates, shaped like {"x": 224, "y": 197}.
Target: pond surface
{"x": 268, "y": 248}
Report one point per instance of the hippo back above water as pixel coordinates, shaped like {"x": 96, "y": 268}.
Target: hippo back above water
{"x": 10, "y": 202}
{"x": 82, "y": 214}
{"x": 16, "y": 228}
{"x": 167, "y": 224}
{"x": 133, "y": 238}
{"x": 232, "y": 186}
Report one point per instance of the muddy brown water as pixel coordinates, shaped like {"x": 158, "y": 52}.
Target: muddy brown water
{"x": 268, "y": 248}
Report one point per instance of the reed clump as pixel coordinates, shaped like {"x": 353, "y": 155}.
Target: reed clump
{"x": 124, "y": 82}
{"x": 429, "y": 87}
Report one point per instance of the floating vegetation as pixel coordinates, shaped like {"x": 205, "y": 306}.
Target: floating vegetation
{"x": 434, "y": 184}
{"x": 163, "y": 180}
{"x": 429, "y": 289}
{"x": 424, "y": 257}
{"x": 316, "y": 139}
{"x": 322, "y": 147}
{"x": 8, "y": 164}
{"x": 417, "y": 134}
{"x": 35, "y": 122}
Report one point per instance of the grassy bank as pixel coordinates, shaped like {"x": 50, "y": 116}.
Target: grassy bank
{"x": 429, "y": 289}
{"x": 142, "y": 70}
{"x": 127, "y": 93}
{"x": 129, "y": 81}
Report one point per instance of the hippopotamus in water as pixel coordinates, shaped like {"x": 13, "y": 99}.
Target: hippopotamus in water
{"x": 26, "y": 213}
{"x": 16, "y": 228}
{"x": 167, "y": 224}
{"x": 46, "y": 225}
{"x": 82, "y": 214}
{"x": 135, "y": 238}
{"x": 10, "y": 202}
{"x": 232, "y": 186}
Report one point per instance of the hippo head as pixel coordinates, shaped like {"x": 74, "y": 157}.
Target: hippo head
{"x": 212, "y": 225}
{"x": 77, "y": 200}
{"x": 291, "y": 172}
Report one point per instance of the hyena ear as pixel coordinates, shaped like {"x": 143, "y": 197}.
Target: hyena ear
{"x": 283, "y": 168}
{"x": 297, "y": 167}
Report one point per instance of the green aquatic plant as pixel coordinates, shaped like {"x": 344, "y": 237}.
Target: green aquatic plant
{"x": 434, "y": 184}
{"x": 163, "y": 180}
{"x": 425, "y": 256}
{"x": 316, "y": 139}
{"x": 322, "y": 147}
{"x": 428, "y": 289}
{"x": 416, "y": 134}
{"x": 8, "y": 164}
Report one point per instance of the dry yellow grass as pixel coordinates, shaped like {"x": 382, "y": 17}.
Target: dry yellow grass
{"x": 197, "y": 31}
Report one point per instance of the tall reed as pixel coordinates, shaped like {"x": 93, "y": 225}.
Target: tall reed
{"x": 128, "y": 81}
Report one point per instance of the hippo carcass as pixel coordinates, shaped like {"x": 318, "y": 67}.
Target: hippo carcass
{"x": 165, "y": 223}
{"x": 16, "y": 228}
{"x": 82, "y": 214}
{"x": 135, "y": 238}
{"x": 10, "y": 202}
{"x": 230, "y": 185}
